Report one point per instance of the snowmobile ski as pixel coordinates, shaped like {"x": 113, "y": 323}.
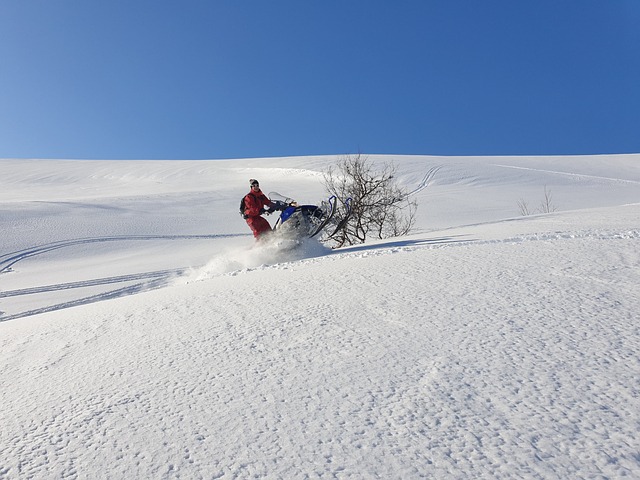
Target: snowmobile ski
{"x": 343, "y": 221}
{"x": 329, "y": 215}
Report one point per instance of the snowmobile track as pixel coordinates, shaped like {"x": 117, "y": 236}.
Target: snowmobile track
{"x": 7, "y": 260}
{"x": 120, "y": 292}
{"x": 426, "y": 180}
{"x": 150, "y": 280}
{"x": 90, "y": 283}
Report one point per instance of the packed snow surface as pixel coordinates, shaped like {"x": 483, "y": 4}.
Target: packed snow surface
{"x": 143, "y": 333}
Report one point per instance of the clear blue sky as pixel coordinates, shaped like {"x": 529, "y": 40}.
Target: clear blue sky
{"x": 191, "y": 79}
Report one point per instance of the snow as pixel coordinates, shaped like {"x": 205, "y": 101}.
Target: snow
{"x": 143, "y": 334}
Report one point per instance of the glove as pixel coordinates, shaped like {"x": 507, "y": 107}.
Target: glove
{"x": 277, "y": 206}
{"x": 262, "y": 211}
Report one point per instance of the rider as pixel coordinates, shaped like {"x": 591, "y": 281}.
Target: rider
{"x": 254, "y": 203}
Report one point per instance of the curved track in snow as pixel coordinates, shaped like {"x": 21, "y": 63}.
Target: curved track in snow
{"x": 156, "y": 280}
{"x": 7, "y": 260}
{"x": 134, "y": 283}
{"x": 426, "y": 180}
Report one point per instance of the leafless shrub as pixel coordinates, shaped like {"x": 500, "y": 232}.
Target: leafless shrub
{"x": 546, "y": 206}
{"x": 380, "y": 208}
{"x": 523, "y": 207}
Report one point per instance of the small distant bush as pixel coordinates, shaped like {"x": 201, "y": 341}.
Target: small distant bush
{"x": 546, "y": 205}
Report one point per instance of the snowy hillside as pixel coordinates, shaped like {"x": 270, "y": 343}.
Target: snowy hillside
{"x": 144, "y": 335}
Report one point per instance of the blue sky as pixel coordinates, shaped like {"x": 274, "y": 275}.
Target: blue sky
{"x": 195, "y": 79}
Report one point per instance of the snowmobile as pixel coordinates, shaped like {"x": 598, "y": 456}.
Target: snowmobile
{"x": 302, "y": 221}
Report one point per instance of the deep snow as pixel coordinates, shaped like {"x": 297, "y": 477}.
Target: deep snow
{"x": 144, "y": 335}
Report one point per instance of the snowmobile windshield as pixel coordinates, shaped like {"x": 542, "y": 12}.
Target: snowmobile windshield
{"x": 275, "y": 196}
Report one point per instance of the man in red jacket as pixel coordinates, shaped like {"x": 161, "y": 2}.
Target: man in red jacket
{"x": 254, "y": 203}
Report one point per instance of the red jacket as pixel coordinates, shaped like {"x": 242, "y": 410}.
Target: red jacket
{"x": 254, "y": 202}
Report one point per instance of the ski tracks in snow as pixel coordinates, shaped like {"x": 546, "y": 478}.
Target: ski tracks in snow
{"x": 7, "y": 260}
{"x": 426, "y": 180}
{"x": 150, "y": 280}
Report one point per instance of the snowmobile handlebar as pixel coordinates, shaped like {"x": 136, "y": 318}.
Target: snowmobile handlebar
{"x": 280, "y": 205}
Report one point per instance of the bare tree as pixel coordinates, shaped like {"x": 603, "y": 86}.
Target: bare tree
{"x": 523, "y": 206}
{"x": 379, "y": 208}
{"x": 547, "y": 205}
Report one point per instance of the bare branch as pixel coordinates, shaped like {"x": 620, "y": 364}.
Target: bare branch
{"x": 523, "y": 206}
{"x": 547, "y": 205}
{"x": 379, "y": 208}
